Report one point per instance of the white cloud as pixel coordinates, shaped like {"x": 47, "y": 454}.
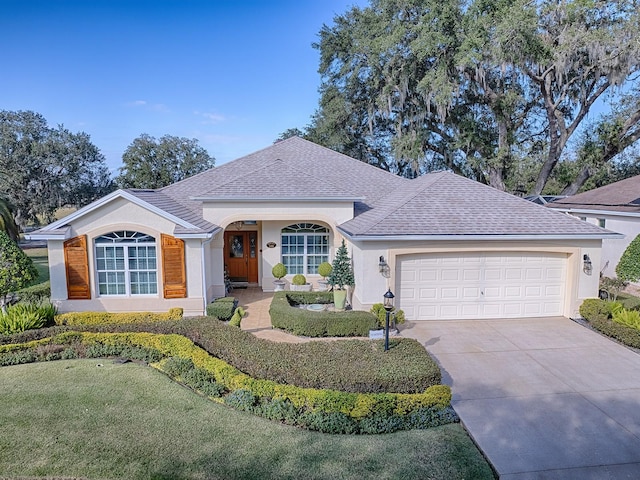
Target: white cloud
{"x": 210, "y": 118}
{"x": 154, "y": 107}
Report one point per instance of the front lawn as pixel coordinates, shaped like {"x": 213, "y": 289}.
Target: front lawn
{"x": 77, "y": 419}
{"x": 40, "y": 259}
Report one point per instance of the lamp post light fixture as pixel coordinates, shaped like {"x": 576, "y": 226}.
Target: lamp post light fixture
{"x": 388, "y": 306}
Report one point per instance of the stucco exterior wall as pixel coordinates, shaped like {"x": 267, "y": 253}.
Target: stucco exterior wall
{"x": 371, "y": 284}
{"x": 121, "y": 214}
{"x": 612, "y": 249}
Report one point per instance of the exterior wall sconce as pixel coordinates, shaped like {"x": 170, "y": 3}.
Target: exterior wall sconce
{"x": 383, "y": 267}
{"x": 587, "y": 266}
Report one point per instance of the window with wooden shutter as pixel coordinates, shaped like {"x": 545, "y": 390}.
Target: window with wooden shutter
{"x": 77, "y": 265}
{"x": 174, "y": 276}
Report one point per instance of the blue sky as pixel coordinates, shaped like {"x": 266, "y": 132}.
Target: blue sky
{"x": 232, "y": 74}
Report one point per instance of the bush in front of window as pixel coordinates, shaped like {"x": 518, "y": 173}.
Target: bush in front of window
{"x": 307, "y": 323}
{"x": 279, "y": 271}
{"x": 98, "y": 318}
{"x": 299, "y": 279}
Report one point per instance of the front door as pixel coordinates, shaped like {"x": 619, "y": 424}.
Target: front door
{"x": 241, "y": 256}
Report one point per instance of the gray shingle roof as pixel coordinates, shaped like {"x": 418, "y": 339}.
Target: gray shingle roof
{"x": 324, "y": 171}
{"x": 622, "y": 196}
{"x": 192, "y": 216}
{"x": 447, "y": 204}
{"x": 436, "y": 204}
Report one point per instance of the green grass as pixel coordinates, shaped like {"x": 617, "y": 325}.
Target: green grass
{"x": 75, "y": 419}
{"x": 40, "y": 259}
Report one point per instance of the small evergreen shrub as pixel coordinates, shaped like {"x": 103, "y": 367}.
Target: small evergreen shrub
{"x": 279, "y": 271}
{"x": 379, "y": 311}
{"x": 222, "y": 308}
{"x": 324, "y": 269}
{"x": 36, "y": 293}
{"x": 593, "y": 308}
{"x": 299, "y": 279}
{"x": 237, "y": 317}
{"x": 241, "y": 400}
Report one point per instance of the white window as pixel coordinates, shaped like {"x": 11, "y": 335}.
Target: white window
{"x": 304, "y": 247}
{"x": 126, "y": 264}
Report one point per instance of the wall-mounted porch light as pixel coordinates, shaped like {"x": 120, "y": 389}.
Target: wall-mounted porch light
{"x": 383, "y": 267}
{"x": 587, "y": 266}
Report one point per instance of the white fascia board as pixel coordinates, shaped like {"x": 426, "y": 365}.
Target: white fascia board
{"x": 381, "y": 238}
{"x": 272, "y": 199}
{"x": 206, "y": 235}
{"x": 112, "y": 196}
{"x": 611, "y": 213}
{"x": 44, "y": 236}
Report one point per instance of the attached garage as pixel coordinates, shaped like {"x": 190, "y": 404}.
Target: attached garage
{"x": 470, "y": 285}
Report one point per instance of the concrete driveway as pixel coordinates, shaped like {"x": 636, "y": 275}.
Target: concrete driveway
{"x": 542, "y": 397}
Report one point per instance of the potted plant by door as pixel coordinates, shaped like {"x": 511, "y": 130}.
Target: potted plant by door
{"x": 341, "y": 277}
{"x": 278, "y": 271}
{"x": 324, "y": 270}
{"x": 299, "y": 283}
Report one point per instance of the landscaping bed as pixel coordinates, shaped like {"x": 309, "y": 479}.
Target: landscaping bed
{"x": 286, "y": 314}
{"x": 337, "y": 387}
{"x": 600, "y": 316}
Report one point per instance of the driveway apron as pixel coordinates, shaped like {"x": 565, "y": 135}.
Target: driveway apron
{"x": 542, "y": 397}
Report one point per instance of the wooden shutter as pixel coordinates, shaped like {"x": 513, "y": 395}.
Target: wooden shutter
{"x": 174, "y": 278}
{"x": 77, "y": 265}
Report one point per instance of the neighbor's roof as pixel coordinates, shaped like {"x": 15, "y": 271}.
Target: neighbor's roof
{"x": 445, "y": 204}
{"x": 621, "y": 197}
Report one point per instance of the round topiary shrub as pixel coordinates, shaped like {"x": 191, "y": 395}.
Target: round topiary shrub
{"x": 279, "y": 270}
{"x": 324, "y": 269}
{"x": 299, "y": 279}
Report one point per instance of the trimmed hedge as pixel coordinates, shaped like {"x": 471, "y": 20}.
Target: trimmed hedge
{"x": 324, "y": 410}
{"x": 286, "y": 315}
{"x": 222, "y": 308}
{"x": 599, "y": 315}
{"x": 98, "y": 318}
{"x": 405, "y": 368}
{"x": 35, "y": 293}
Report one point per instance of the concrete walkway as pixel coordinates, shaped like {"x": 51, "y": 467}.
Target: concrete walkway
{"x": 543, "y": 398}
{"x": 257, "y": 321}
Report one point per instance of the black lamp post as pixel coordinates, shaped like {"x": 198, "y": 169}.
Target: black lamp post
{"x": 388, "y": 306}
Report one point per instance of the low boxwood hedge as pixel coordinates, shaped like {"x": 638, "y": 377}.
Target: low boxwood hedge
{"x": 286, "y": 314}
{"x": 222, "y": 308}
{"x": 95, "y": 318}
{"x": 318, "y": 409}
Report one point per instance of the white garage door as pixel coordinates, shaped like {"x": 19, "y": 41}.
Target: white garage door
{"x": 481, "y": 285}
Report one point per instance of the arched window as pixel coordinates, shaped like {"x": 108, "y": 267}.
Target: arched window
{"x": 126, "y": 263}
{"x": 304, "y": 247}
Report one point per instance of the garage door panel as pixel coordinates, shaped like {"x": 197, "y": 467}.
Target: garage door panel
{"x": 481, "y": 285}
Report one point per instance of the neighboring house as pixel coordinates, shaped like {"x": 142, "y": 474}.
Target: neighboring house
{"x": 448, "y": 247}
{"x": 615, "y": 207}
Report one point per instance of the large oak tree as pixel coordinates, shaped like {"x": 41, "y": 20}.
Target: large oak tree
{"x": 44, "y": 168}
{"x": 151, "y": 163}
{"x": 493, "y": 89}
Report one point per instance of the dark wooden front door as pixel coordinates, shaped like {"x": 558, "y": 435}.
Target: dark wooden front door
{"x": 241, "y": 256}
